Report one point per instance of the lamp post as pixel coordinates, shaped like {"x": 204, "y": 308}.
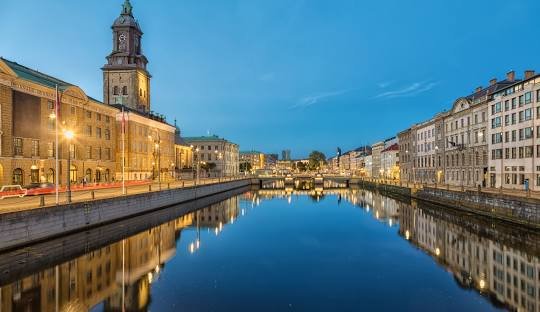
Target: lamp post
{"x": 68, "y": 135}
{"x": 197, "y": 169}
{"x": 220, "y": 158}
{"x": 157, "y": 155}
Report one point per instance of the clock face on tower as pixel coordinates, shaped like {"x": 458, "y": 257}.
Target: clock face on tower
{"x": 122, "y": 37}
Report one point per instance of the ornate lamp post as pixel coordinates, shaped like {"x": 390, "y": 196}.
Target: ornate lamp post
{"x": 68, "y": 135}
{"x": 157, "y": 155}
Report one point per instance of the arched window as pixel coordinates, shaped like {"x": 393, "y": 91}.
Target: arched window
{"x": 115, "y": 90}
{"x": 124, "y": 90}
{"x": 18, "y": 176}
{"x": 140, "y": 91}
{"x": 107, "y": 175}
{"x": 88, "y": 175}
{"x": 50, "y": 176}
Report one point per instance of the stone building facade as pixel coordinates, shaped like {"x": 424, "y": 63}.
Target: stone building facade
{"x": 406, "y": 154}
{"x": 213, "y": 149}
{"x": 467, "y": 136}
{"x": 514, "y": 135}
{"x": 376, "y": 150}
{"x": 27, "y": 104}
{"x": 424, "y": 146}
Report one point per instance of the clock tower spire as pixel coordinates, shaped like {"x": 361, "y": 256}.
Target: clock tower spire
{"x": 126, "y": 80}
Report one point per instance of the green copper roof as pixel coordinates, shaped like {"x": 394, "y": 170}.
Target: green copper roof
{"x": 204, "y": 138}
{"x": 35, "y": 76}
{"x": 127, "y": 8}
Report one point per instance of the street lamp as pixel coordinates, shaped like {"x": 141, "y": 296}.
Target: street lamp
{"x": 157, "y": 156}
{"x": 220, "y": 158}
{"x": 68, "y": 135}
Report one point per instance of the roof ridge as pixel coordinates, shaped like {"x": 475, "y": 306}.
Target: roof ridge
{"x": 35, "y": 71}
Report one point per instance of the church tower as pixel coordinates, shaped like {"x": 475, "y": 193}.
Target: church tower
{"x": 125, "y": 78}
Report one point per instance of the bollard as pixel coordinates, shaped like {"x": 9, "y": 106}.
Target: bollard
{"x": 41, "y": 201}
{"x": 93, "y": 195}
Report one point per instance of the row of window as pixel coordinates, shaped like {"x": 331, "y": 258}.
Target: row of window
{"x": 88, "y": 132}
{"x": 515, "y": 152}
{"x": 453, "y": 140}
{"x": 515, "y": 102}
{"x": 18, "y": 177}
{"x": 465, "y": 122}
{"x": 73, "y": 110}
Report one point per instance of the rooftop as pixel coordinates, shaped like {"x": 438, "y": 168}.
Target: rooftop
{"x": 35, "y": 76}
{"x": 208, "y": 138}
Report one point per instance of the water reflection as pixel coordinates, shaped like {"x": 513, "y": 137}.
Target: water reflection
{"x": 500, "y": 262}
{"x": 117, "y": 277}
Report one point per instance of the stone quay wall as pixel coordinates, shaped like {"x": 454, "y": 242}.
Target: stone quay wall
{"x": 18, "y": 229}
{"x": 515, "y": 209}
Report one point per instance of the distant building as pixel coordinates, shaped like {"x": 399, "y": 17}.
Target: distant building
{"x": 271, "y": 160}
{"x": 255, "y": 159}
{"x": 216, "y": 150}
{"x": 286, "y": 155}
{"x": 183, "y": 160}
{"x": 376, "y": 150}
{"x": 390, "y": 162}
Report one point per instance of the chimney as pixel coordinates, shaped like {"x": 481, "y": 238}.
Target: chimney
{"x": 493, "y": 81}
{"x": 511, "y": 76}
{"x": 478, "y": 89}
{"x": 529, "y": 74}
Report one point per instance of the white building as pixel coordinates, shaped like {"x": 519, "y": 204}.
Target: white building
{"x": 514, "y": 149}
{"x": 390, "y": 162}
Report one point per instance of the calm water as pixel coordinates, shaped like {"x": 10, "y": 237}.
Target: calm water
{"x": 344, "y": 250}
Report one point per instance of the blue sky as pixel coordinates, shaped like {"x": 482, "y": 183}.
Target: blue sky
{"x": 292, "y": 74}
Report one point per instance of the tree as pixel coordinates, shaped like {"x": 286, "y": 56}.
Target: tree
{"x": 301, "y": 166}
{"x": 208, "y": 166}
{"x": 245, "y": 167}
{"x": 316, "y": 159}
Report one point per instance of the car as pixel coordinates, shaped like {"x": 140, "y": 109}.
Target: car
{"x": 40, "y": 189}
{"x": 7, "y": 191}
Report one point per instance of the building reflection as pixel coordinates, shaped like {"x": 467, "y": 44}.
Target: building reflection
{"x": 500, "y": 262}
{"x": 115, "y": 276}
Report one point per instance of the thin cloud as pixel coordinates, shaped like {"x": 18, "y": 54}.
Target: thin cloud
{"x": 384, "y": 84}
{"x": 310, "y": 100}
{"x": 408, "y": 91}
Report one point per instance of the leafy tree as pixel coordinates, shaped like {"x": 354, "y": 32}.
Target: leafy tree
{"x": 316, "y": 159}
{"x": 301, "y": 166}
{"x": 245, "y": 167}
{"x": 208, "y": 166}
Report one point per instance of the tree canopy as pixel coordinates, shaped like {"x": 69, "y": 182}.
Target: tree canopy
{"x": 316, "y": 160}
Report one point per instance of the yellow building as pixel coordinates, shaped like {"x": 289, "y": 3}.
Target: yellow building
{"x": 255, "y": 159}
{"x": 27, "y": 130}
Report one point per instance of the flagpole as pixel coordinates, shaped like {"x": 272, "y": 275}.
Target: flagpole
{"x": 57, "y": 174}
{"x": 123, "y": 153}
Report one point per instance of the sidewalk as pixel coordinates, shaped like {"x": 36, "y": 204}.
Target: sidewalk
{"x": 83, "y": 195}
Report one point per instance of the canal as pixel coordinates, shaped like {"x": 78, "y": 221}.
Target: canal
{"x": 277, "y": 250}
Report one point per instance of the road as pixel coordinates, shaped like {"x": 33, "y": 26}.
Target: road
{"x": 30, "y": 202}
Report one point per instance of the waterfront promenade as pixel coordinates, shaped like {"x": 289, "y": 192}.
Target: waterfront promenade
{"x": 81, "y": 194}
